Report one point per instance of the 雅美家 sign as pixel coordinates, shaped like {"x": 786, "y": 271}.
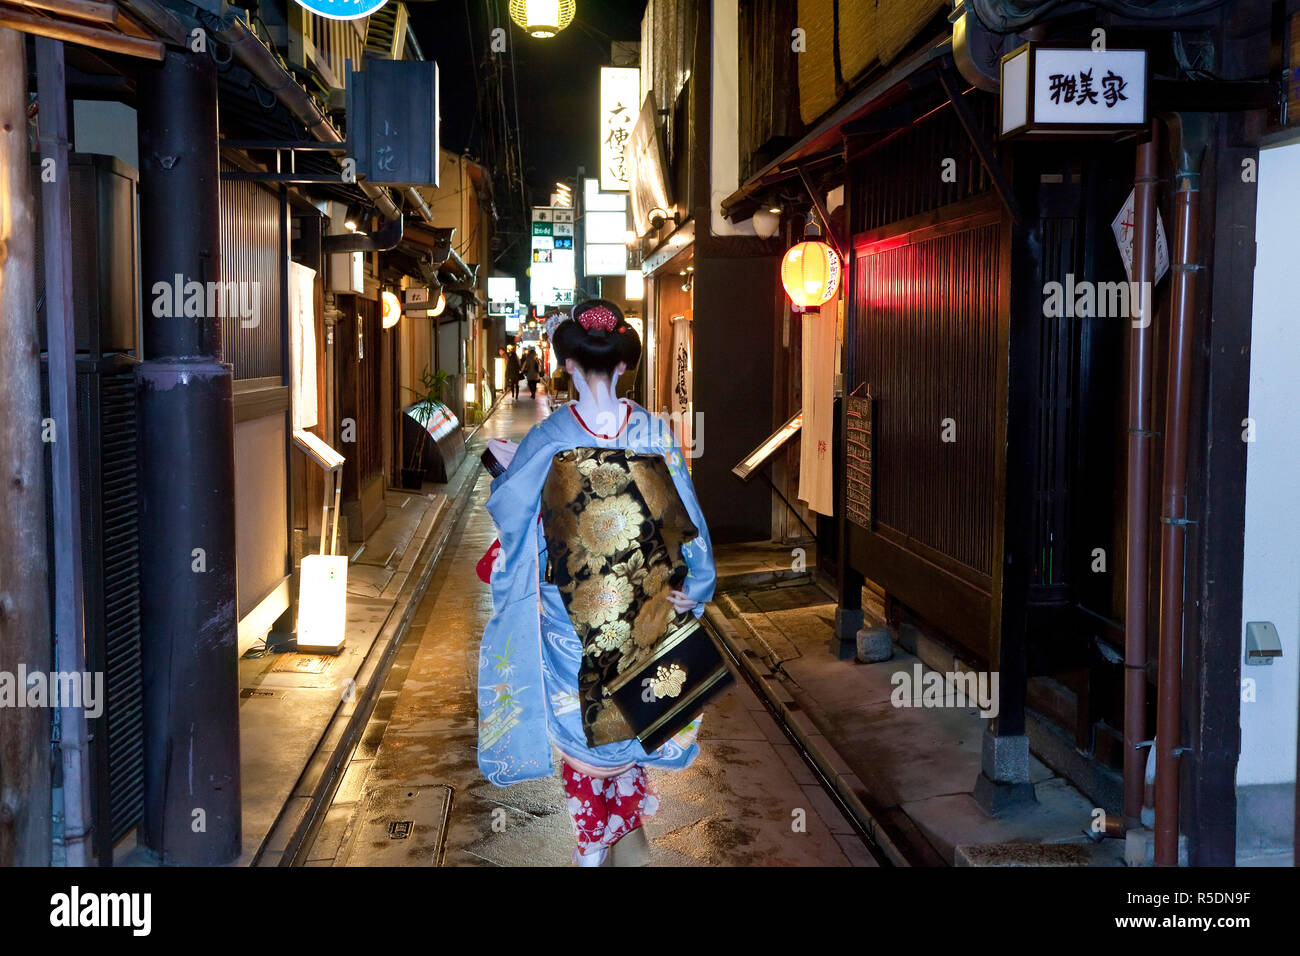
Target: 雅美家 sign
{"x": 1069, "y": 92}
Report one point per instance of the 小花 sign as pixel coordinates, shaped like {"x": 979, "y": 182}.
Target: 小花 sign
{"x": 1069, "y": 91}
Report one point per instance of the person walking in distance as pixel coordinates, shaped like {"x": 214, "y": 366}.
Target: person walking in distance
{"x": 532, "y": 371}
{"x": 513, "y": 372}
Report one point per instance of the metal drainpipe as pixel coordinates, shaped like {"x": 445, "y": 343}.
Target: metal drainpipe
{"x": 420, "y": 205}
{"x": 1190, "y": 133}
{"x": 1138, "y": 484}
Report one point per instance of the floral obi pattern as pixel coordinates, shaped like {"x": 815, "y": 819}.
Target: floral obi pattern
{"x": 614, "y": 527}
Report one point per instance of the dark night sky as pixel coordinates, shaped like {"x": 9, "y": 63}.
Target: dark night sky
{"x": 557, "y": 79}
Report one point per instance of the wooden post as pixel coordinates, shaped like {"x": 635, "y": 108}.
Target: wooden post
{"x": 65, "y": 497}
{"x": 25, "y": 827}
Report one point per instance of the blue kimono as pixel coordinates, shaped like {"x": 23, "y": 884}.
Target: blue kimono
{"x": 530, "y": 654}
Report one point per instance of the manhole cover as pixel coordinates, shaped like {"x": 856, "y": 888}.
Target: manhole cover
{"x": 302, "y": 664}
{"x": 400, "y": 826}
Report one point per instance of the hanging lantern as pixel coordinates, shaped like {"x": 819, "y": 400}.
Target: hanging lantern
{"x": 437, "y": 309}
{"x": 810, "y": 271}
{"x": 392, "y": 310}
{"x": 542, "y": 18}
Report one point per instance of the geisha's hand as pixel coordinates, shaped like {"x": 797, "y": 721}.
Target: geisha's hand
{"x": 681, "y": 601}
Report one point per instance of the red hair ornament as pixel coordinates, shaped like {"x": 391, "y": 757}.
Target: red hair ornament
{"x": 598, "y": 317}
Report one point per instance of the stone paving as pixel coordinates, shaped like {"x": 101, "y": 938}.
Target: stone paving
{"x": 917, "y": 766}
{"x": 413, "y": 795}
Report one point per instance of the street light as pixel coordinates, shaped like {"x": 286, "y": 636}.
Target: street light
{"x": 542, "y": 18}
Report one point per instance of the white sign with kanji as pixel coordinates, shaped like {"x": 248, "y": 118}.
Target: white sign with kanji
{"x": 1087, "y": 87}
{"x": 1123, "y": 226}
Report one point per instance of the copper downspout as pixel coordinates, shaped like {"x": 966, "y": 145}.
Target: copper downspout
{"x": 1190, "y": 129}
{"x": 1139, "y": 476}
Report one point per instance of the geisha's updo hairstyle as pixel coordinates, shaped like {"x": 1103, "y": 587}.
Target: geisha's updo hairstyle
{"x": 597, "y": 337}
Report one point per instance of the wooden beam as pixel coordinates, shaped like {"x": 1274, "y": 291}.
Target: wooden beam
{"x": 25, "y": 826}
{"x": 80, "y": 9}
{"x": 65, "y": 492}
{"x": 76, "y": 33}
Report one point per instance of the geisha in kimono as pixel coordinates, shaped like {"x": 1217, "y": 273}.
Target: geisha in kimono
{"x": 602, "y": 544}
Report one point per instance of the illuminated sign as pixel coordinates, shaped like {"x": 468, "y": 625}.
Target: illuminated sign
{"x": 392, "y": 309}
{"x": 342, "y": 9}
{"x": 503, "y": 295}
{"x": 755, "y": 459}
{"x": 604, "y": 223}
{"x": 620, "y": 104}
{"x": 606, "y": 260}
{"x": 1063, "y": 92}
{"x": 551, "y": 276}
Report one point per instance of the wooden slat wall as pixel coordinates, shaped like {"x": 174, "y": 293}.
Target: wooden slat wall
{"x": 926, "y": 317}
{"x": 903, "y": 176}
{"x": 926, "y": 313}
{"x": 250, "y": 252}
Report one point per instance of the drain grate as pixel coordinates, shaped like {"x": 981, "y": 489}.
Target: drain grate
{"x": 248, "y": 692}
{"x": 302, "y": 664}
{"x": 400, "y": 829}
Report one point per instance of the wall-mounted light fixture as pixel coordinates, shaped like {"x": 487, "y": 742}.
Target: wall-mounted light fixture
{"x": 766, "y": 223}
{"x": 392, "y": 309}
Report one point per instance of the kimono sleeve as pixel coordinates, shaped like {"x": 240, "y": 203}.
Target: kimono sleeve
{"x": 698, "y": 553}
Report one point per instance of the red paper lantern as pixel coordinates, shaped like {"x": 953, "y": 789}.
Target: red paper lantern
{"x": 810, "y": 271}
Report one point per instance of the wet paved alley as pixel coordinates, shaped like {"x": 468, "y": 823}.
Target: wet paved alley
{"x": 413, "y": 795}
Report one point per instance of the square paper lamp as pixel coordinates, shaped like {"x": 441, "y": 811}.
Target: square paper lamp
{"x": 323, "y": 603}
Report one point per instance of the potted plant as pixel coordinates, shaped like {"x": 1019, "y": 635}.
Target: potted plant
{"x": 428, "y": 398}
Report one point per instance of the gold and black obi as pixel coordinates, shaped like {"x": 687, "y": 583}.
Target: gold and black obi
{"x": 614, "y": 526}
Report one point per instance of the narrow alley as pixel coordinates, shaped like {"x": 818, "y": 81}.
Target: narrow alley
{"x": 694, "y": 434}
{"x": 748, "y": 800}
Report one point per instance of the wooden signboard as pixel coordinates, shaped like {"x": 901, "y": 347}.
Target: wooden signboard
{"x": 393, "y": 111}
{"x": 858, "y": 460}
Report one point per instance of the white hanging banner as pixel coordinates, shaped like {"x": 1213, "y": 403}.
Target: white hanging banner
{"x": 680, "y": 380}
{"x": 302, "y": 345}
{"x": 816, "y": 477}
